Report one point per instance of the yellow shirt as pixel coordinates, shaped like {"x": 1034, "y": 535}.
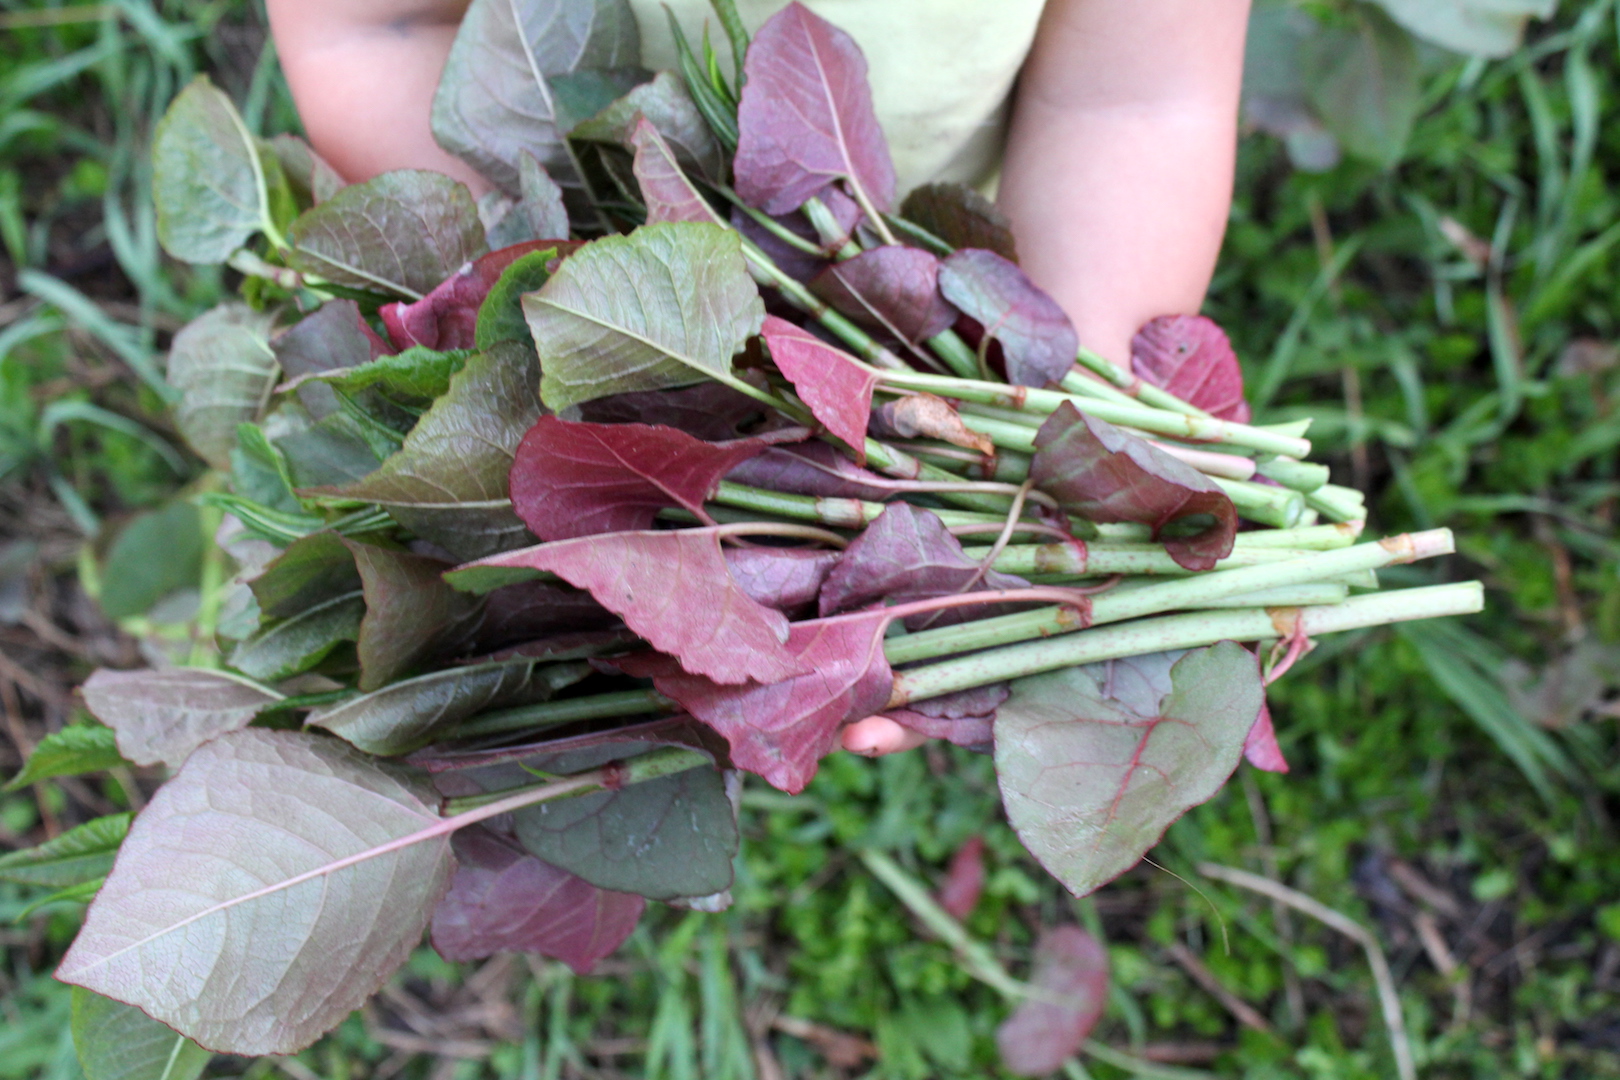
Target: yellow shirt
{"x": 941, "y": 70}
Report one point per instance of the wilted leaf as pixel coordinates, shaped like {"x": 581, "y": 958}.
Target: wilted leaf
{"x": 160, "y": 717}
{"x": 964, "y": 880}
{"x": 410, "y": 611}
{"x": 83, "y": 853}
{"x": 207, "y": 180}
{"x": 673, "y": 589}
{"x": 1041, "y": 1035}
{"x": 78, "y": 749}
{"x": 665, "y": 306}
{"x": 1190, "y": 356}
{"x": 891, "y": 289}
{"x": 119, "y": 1042}
{"x": 1365, "y": 79}
{"x": 1260, "y": 747}
{"x": 223, "y": 365}
{"x": 332, "y": 338}
{"x": 158, "y": 553}
{"x": 1095, "y": 762}
{"x": 400, "y": 233}
{"x": 495, "y": 100}
{"x": 928, "y": 417}
{"x": 665, "y": 188}
{"x": 447, "y": 317}
{"x": 836, "y": 387}
{"x": 963, "y": 218}
{"x": 811, "y": 468}
{"x": 665, "y": 105}
{"x": 202, "y": 925}
{"x": 576, "y": 479}
{"x": 1101, "y": 473}
{"x": 1037, "y": 339}
{"x": 1491, "y": 28}
{"x": 505, "y": 900}
{"x": 710, "y": 411}
{"x": 806, "y": 117}
{"x": 787, "y": 579}
{"x": 298, "y": 643}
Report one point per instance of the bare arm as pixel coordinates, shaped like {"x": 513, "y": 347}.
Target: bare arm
{"x": 1118, "y": 176}
{"x": 363, "y": 73}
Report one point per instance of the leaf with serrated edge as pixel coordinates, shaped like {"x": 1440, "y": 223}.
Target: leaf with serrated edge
{"x": 1096, "y": 762}
{"x": 836, "y": 387}
{"x": 207, "y": 181}
{"x": 119, "y": 1042}
{"x": 161, "y": 716}
{"x": 400, "y": 233}
{"x": 222, "y": 917}
{"x": 223, "y": 365}
{"x": 1040, "y": 1035}
{"x": 78, "y": 749}
{"x": 83, "y": 853}
{"x": 668, "y": 305}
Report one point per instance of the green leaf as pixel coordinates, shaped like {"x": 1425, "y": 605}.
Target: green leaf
{"x": 310, "y": 571}
{"x": 1096, "y": 762}
{"x": 313, "y": 180}
{"x": 156, "y": 554}
{"x": 82, "y": 854}
{"x": 418, "y": 372}
{"x": 297, "y": 644}
{"x": 161, "y": 716}
{"x": 223, "y": 365}
{"x": 119, "y": 1042}
{"x": 622, "y": 314}
{"x": 259, "y": 471}
{"x": 200, "y": 925}
{"x": 331, "y": 451}
{"x": 206, "y": 177}
{"x": 82, "y": 893}
{"x": 410, "y": 611}
{"x": 448, "y": 482}
{"x": 1491, "y": 28}
{"x": 667, "y": 105}
{"x": 78, "y": 749}
{"x": 538, "y": 214}
{"x": 400, "y": 718}
{"x": 500, "y": 316}
{"x": 1364, "y": 80}
{"x": 401, "y": 233}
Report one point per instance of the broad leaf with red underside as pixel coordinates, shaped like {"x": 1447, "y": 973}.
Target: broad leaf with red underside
{"x": 576, "y": 479}
{"x": 787, "y": 579}
{"x": 781, "y": 730}
{"x": 502, "y": 899}
{"x": 812, "y": 468}
{"x": 1260, "y": 748}
{"x": 1037, "y": 339}
{"x": 1103, "y": 474}
{"x": 893, "y": 289}
{"x": 1191, "y": 357}
{"x": 447, "y": 317}
{"x": 964, "y": 881}
{"x": 836, "y": 387}
{"x": 908, "y": 554}
{"x": 710, "y": 411}
{"x": 806, "y": 117}
{"x": 668, "y": 193}
{"x": 1040, "y": 1036}
{"x": 1096, "y": 762}
{"x": 673, "y": 589}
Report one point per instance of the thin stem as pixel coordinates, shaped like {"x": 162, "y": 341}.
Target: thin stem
{"x": 853, "y": 336}
{"x": 780, "y": 528}
{"x": 471, "y": 809}
{"x": 1144, "y": 392}
{"x": 552, "y": 713}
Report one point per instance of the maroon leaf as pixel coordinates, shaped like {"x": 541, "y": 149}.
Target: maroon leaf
{"x": 796, "y": 263}
{"x": 1261, "y": 748}
{"x": 963, "y": 218}
{"x": 669, "y": 195}
{"x": 536, "y": 609}
{"x": 781, "y": 730}
{"x": 968, "y": 732}
{"x": 410, "y": 611}
{"x": 505, "y": 900}
{"x": 673, "y": 589}
{"x": 806, "y": 116}
{"x": 447, "y": 317}
{"x": 1037, "y": 339}
{"x": 1103, "y": 474}
{"x": 893, "y": 289}
{"x": 812, "y": 468}
{"x": 964, "y": 881}
{"x": 578, "y": 479}
{"x": 1041, "y": 1035}
{"x": 907, "y": 554}
{"x": 981, "y": 701}
{"x": 709, "y": 410}
{"x": 334, "y": 337}
{"x": 1190, "y": 356}
{"x": 836, "y": 386}
{"x": 787, "y": 579}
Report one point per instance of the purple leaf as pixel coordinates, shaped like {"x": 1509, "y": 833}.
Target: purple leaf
{"x": 806, "y": 117}
{"x": 1095, "y": 762}
{"x": 981, "y": 701}
{"x": 536, "y": 609}
{"x": 674, "y": 590}
{"x": 503, "y": 899}
{"x": 812, "y": 468}
{"x": 787, "y": 579}
{"x": 575, "y": 479}
{"x": 907, "y": 554}
{"x": 1037, "y": 339}
{"x": 836, "y": 387}
{"x": 1190, "y": 356}
{"x": 969, "y": 732}
{"x": 162, "y": 716}
{"x": 711, "y": 411}
{"x": 1260, "y": 748}
{"x": 1101, "y": 473}
{"x": 669, "y": 195}
{"x": 447, "y": 317}
{"x": 333, "y": 337}
{"x": 893, "y": 289}
{"x": 964, "y": 881}
{"x": 960, "y": 216}
{"x": 781, "y": 730}
{"x": 1041, "y": 1035}
{"x": 796, "y": 263}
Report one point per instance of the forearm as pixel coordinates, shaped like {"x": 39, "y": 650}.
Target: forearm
{"x": 1118, "y": 177}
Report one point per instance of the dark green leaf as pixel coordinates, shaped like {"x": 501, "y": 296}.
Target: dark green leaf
{"x": 119, "y": 1042}
{"x": 311, "y": 570}
{"x": 207, "y": 183}
{"x": 259, "y": 471}
{"x": 409, "y": 611}
{"x": 500, "y": 317}
{"x": 312, "y": 179}
{"x": 333, "y": 451}
{"x": 156, "y": 554}
{"x": 223, "y": 365}
{"x": 296, "y": 644}
{"x": 83, "y": 853}
{"x": 161, "y": 716}
{"x": 78, "y": 749}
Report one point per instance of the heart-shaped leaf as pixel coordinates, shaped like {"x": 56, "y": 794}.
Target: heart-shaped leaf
{"x": 83, "y": 853}
{"x": 447, "y": 317}
{"x": 207, "y": 179}
{"x": 1072, "y": 967}
{"x": 223, "y": 366}
{"x": 665, "y": 188}
{"x": 1095, "y": 762}
{"x": 119, "y": 1042}
{"x": 200, "y": 925}
{"x": 963, "y": 218}
{"x": 1190, "y": 356}
{"x": 836, "y": 387}
{"x": 1037, "y": 339}
{"x": 161, "y": 716}
{"x": 891, "y": 289}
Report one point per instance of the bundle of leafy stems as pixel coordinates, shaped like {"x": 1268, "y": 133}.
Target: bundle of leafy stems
{"x": 997, "y": 536}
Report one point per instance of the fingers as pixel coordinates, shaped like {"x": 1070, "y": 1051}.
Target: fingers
{"x": 878, "y": 735}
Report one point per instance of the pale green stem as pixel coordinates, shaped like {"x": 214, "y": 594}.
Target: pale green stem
{"x": 1304, "y": 476}
{"x": 1338, "y": 503}
{"x": 1144, "y": 392}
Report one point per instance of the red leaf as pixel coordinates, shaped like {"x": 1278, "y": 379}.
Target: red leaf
{"x": 573, "y": 479}
{"x": 1261, "y": 748}
{"x": 964, "y": 881}
{"x": 669, "y": 195}
{"x": 969, "y": 732}
{"x": 786, "y": 579}
{"x": 806, "y": 116}
{"x": 836, "y": 387}
{"x": 445, "y": 318}
{"x": 781, "y": 730}
{"x": 1041, "y": 1035}
{"x": 502, "y": 899}
{"x": 981, "y": 701}
{"x": 1037, "y": 339}
{"x": 1103, "y": 474}
{"x": 709, "y": 410}
{"x": 674, "y": 590}
{"x": 1190, "y": 356}
{"x": 892, "y": 288}
{"x": 813, "y": 468}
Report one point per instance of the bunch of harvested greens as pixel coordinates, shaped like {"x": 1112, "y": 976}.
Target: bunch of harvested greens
{"x": 672, "y": 457}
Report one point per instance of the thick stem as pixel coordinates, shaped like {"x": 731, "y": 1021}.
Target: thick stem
{"x": 1105, "y": 560}
{"x": 1303, "y": 476}
{"x": 1338, "y": 503}
{"x": 552, "y": 713}
{"x": 1144, "y": 392}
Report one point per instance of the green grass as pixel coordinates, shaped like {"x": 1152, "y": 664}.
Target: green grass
{"x": 1453, "y": 390}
